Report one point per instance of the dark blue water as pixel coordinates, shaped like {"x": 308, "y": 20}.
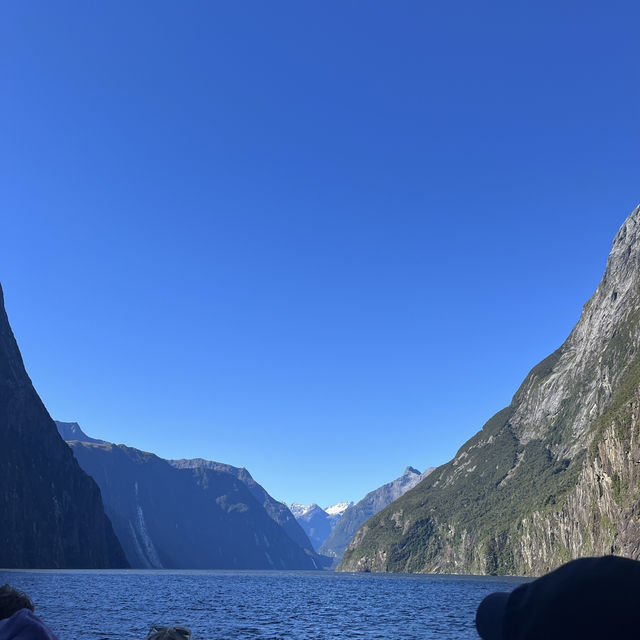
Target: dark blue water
{"x": 81, "y": 605}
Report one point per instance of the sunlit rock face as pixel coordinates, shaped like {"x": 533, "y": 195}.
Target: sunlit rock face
{"x": 51, "y": 512}
{"x": 553, "y": 476}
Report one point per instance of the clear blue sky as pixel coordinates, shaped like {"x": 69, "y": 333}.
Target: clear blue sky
{"x": 320, "y": 240}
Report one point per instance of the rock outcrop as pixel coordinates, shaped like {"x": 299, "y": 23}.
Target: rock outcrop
{"x": 51, "y": 511}
{"x": 554, "y": 476}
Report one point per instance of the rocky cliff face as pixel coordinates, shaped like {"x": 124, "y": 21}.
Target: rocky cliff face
{"x": 186, "y": 517}
{"x": 356, "y": 515}
{"x": 553, "y": 476}
{"x": 51, "y": 511}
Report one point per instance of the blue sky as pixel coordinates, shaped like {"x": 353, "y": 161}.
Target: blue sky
{"x": 319, "y": 240}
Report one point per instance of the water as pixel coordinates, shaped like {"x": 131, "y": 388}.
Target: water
{"x": 250, "y": 605}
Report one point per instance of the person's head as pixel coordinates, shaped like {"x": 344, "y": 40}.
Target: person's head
{"x": 585, "y": 598}
{"x": 12, "y": 600}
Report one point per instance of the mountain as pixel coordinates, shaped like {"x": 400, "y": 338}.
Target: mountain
{"x": 318, "y": 523}
{"x": 51, "y": 512}
{"x": 356, "y": 515}
{"x": 299, "y": 510}
{"x": 278, "y": 511}
{"x": 315, "y": 521}
{"x": 338, "y": 509}
{"x": 553, "y": 476}
{"x": 184, "y": 516}
{"x": 72, "y": 431}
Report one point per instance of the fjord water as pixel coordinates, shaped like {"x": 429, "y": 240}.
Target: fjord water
{"x": 249, "y": 605}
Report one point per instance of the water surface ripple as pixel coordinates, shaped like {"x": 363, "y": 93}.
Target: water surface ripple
{"x": 251, "y": 605}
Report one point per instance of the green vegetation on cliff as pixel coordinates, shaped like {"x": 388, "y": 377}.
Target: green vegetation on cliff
{"x": 492, "y": 482}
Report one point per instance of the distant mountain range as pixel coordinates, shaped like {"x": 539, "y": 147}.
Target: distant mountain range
{"x": 356, "y": 515}
{"x": 195, "y": 514}
{"x": 318, "y": 523}
{"x": 51, "y": 512}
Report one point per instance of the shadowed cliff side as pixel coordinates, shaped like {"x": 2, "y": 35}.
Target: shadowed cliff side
{"x": 555, "y": 475}
{"x": 186, "y": 517}
{"x": 51, "y": 511}
{"x": 278, "y": 511}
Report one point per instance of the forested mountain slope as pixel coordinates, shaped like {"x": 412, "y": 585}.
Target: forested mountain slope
{"x": 553, "y": 476}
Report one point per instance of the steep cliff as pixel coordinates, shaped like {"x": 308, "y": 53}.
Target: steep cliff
{"x": 551, "y": 477}
{"x": 185, "y": 518}
{"x": 356, "y": 515}
{"x": 51, "y": 512}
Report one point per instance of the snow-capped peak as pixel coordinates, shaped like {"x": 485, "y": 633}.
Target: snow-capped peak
{"x": 299, "y": 510}
{"x": 338, "y": 509}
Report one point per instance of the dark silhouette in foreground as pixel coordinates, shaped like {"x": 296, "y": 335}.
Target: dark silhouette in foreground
{"x": 17, "y": 620}
{"x": 585, "y": 598}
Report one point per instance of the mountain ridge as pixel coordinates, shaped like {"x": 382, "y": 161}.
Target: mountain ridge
{"x": 70, "y": 431}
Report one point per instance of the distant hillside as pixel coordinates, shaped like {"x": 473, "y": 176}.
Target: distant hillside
{"x": 355, "y": 516}
{"x": 186, "y": 517}
{"x": 51, "y": 512}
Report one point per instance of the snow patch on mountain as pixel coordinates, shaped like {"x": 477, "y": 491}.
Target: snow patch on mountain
{"x": 318, "y": 523}
{"x": 338, "y": 509}
{"x": 299, "y": 510}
